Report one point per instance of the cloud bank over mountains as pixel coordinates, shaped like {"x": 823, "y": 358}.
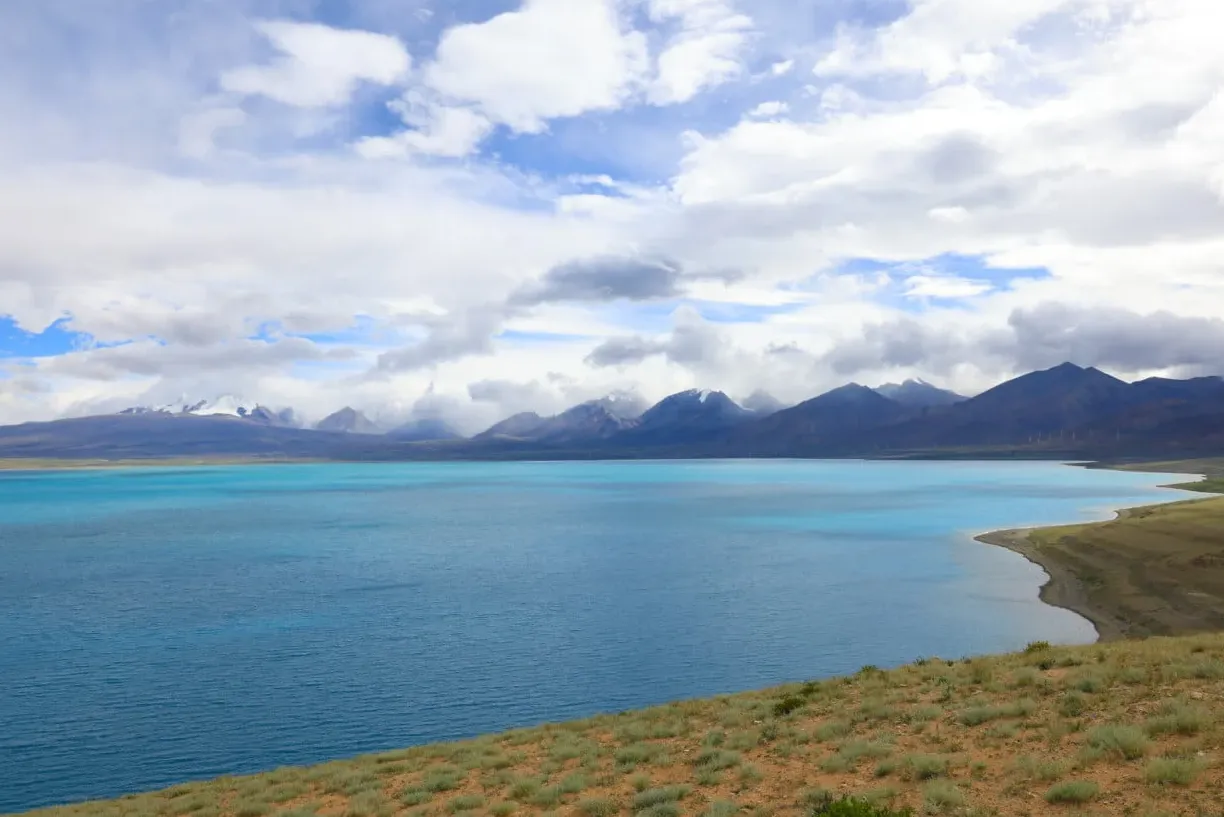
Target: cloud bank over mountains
{"x": 521, "y": 204}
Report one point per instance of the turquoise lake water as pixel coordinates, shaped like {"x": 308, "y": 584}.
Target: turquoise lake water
{"x": 160, "y": 625}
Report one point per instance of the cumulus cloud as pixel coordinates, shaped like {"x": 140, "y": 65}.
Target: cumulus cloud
{"x": 548, "y": 59}
{"x": 319, "y": 65}
{"x": 693, "y": 342}
{"x": 703, "y": 53}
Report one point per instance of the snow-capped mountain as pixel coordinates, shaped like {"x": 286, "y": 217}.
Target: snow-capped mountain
{"x": 918, "y": 393}
{"x": 226, "y": 405}
{"x": 689, "y": 416}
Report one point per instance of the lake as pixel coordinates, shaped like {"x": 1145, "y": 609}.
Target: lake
{"x": 165, "y": 624}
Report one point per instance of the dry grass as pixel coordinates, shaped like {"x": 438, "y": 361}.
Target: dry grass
{"x": 1156, "y": 570}
{"x": 1123, "y": 728}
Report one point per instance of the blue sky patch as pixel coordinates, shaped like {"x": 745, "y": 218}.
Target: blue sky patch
{"x": 56, "y": 339}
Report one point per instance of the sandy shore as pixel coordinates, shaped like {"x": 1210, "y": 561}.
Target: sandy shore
{"x": 1156, "y": 570}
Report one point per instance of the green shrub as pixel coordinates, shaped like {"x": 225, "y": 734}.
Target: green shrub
{"x": 942, "y": 796}
{"x": 547, "y": 797}
{"x": 1073, "y": 791}
{"x": 832, "y": 729}
{"x": 444, "y": 779}
{"x": 926, "y": 767}
{"x": 1127, "y": 742}
{"x": 1045, "y": 770}
{"x": 1171, "y": 770}
{"x": 660, "y": 810}
{"x": 857, "y": 807}
{"x": 815, "y": 799}
{"x": 1177, "y": 718}
{"x": 636, "y": 754}
{"x": 718, "y": 759}
{"x": 662, "y": 794}
{"x": 982, "y": 714}
{"x": 1036, "y": 646}
{"x": 597, "y": 807}
{"x": 414, "y": 796}
{"x": 1072, "y": 705}
{"x": 787, "y": 705}
{"x": 465, "y": 802}
{"x": 524, "y": 788}
{"x": 722, "y": 808}
{"x": 505, "y": 809}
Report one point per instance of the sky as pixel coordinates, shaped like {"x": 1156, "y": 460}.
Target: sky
{"x": 472, "y": 208}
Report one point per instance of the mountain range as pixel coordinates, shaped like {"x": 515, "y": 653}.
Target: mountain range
{"x": 1067, "y": 412}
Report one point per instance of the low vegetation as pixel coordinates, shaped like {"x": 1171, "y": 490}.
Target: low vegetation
{"x": 1129, "y": 727}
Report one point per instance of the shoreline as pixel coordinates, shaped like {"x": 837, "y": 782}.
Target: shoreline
{"x": 1078, "y": 574}
{"x": 1061, "y": 588}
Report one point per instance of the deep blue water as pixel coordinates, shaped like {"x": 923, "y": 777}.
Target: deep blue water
{"x": 159, "y": 625}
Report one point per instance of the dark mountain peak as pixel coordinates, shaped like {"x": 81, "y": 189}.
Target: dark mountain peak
{"x": 347, "y": 420}
{"x": 523, "y": 425}
{"x": 1058, "y": 381}
{"x": 918, "y": 393}
{"x": 849, "y": 394}
{"x": 762, "y": 403}
{"x": 695, "y": 401}
{"x": 427, "y": 429}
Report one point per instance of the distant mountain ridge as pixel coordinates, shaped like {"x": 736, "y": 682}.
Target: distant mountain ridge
{"x": 1066, "y": 412}
{"x": 919, "y": 394}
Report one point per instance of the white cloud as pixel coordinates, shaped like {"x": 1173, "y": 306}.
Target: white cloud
{"x": 939, "y": 39}
{"x": 549, "y": 59}
{"x": 437, "y": 130}
{"x": 943, "y": 286}
{"x": 704, "y": 53}
{"x": 769, "y": 109}
{"x": 782, "y": 68}
{"x": 319, "y": 66}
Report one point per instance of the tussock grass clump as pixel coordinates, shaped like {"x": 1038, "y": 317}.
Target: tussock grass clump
{"x": 638, "y": 754}
{"x": 597, "y": 807}
{"x": 926, "y": 767}
{"x": 718, "y": 759}
{"x": 942, "y": 796}
{"x": 722, "y": 808}
{"x": 1073, "y": 791}
{"x": 465, "y": 802}
{"x": 1172, "y": 771}
{"x": 984, "y": 714}
{"x": 662, "y": 794}
{"x": 1041, "y": 769}
{"x": 1126, "y": 742}
{"x": 1179, "y": 718}
{"x": 831, "y": 730}
{"x": 858, "y": 807}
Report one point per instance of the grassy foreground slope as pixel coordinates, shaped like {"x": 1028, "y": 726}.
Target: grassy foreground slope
{"x": 1133, "y": 727}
